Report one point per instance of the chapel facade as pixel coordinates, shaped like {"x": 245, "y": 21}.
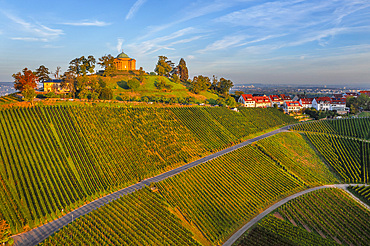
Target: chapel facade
{"x": 124, "y": 63}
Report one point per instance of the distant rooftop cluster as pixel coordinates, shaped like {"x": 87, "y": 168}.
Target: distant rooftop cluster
{"x": 294, "y": 104}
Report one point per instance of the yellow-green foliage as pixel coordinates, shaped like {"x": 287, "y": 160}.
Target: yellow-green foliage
{"x": 222, "y": 194}
{"x": 140, "y": 218}
{"x": 58, "y": 158}
{"x": 332, "y": 213}
{"x": 293, "y": 152}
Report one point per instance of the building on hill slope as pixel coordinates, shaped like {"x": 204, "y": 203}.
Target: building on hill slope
{"x": 306, "y": 102}
{"x": 124, "y": 63}
{"x": 293, "y": 106}
{"x": 247, "y": 100}
{"x": 54, "y": 85}
{"x": 276, "y": 100}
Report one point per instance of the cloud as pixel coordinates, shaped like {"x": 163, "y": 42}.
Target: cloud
{"x": 87, "y": 23}
{"x": 38, "y": 31}
{"x": 29, "y": 39}
{"x": 119, "y": 44}
{"x": 166, "y": 42}
{"x": 134, "y": 9}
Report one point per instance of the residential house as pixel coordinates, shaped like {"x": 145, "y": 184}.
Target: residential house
{"x": 247, "y": 100}
{"x": 276, "y": 100}
{"x": 306, "y": 102}
{"x": 321, "y": 103}
{"x": 293, "y": 106}
{"x": 262, "y": 102}
{"x": 54, "y": 85}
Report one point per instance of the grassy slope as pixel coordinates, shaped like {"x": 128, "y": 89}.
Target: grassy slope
{"x": 148, "y": 89}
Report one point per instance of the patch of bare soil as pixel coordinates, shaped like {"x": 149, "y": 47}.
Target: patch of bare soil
{"x": 277, "y": 215}
{"x": 306, "y": 227}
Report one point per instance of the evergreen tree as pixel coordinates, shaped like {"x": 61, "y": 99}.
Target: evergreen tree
{"x": 42, "y": 73}
{"x": 164, "y": 66}
{"x": 183, "y": 70}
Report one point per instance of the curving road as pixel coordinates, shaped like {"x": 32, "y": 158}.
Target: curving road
{"x": 39, "y": 234}
{"x": 256, "y": 219}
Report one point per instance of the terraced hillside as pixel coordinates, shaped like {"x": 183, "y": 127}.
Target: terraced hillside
{"x": 323, "y": 217}
{"x": 354, "y": 127}
{"x": 213, "y": 199}
{"x": 294, "y": 154}
{"x": 141, "y": 218}
{"x": 362, "y": 192}
{"x": 54, "y": 159}
{"x": 349, "y": 158}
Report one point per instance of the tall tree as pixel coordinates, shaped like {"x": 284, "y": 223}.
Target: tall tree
{"x": 183, "y": 70}
{"x": 28, "y": 78}
{"x": 69, "y": 82}
{"x": 163, "y": 67}
{"x": 200, "y": 83}
{"x": 141, "y": 75}
{"x": 224, "y": 86}
{"x": 57, "y": 73}
{"x": 42, "y": 73}
{"x": 82, "y": 65}
{"x": 107, "y": 62}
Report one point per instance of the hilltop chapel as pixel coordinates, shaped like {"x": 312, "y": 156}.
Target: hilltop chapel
{"x": 124, "y": 63}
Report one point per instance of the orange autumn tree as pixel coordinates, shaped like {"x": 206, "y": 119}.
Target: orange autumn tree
{"x": 26, "y": 80}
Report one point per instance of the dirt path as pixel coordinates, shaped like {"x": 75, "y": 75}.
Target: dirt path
{"x": 39, "y": 234}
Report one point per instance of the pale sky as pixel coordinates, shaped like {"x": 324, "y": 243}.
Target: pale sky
{"x": 294, "y": 41}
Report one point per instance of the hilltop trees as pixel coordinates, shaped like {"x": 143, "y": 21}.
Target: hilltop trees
{"x": 200, "y": 83}
{"x": 221, "y": 86}
{"x": 164, "y": 66}
{"x": 27, "y": 79}
{"x": 82, "y": 65}
{"x": 183, "y": 70}
{"x": 107, "y": 62}
{"x": 42, "y": 73}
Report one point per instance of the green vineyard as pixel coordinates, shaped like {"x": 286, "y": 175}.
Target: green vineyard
{"x": 292, "y": 152}
{"x": 224, "y": 193}
{"x": 275, "y": 231}
{"x": 362, "y": 192}
{"x": 331, "y": 213}
{"x": 350, "y": 158}
{"x": 140, "y": 218}
{"x": 355, "y": 127}
{"x": 215, "y": 198}
{"x": 55, "y": 159}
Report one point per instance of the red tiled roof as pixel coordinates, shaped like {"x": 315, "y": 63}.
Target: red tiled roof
{"x": 285, "y": 97}
{"x": 365, "y": 92}
{"x": 293, "y": 104}
{"x": 275, "y": 98}
{"x": 338, "y": 100}
{"x": 323, "y": 99}
{"x": 306, "y": 100}
{"x": 247, "y": 97}
{"x": 263, "y": 99}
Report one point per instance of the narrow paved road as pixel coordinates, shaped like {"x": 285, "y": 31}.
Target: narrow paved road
{"x": 256, "y": 219}
{"x": 39, "y": 234}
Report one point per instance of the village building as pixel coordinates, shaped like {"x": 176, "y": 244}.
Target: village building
{"x": 286, "y": 98}
{"x": 124, "y": 63}
{"x": 350, "y": 94}
{"x": 322, "y": 103}
{"x": 247, "y": 100}
{"x": 262, "y": 102}
{"x": 339, "y": 104}
{"x": 365, "y": 92}
{"x": 54, "y": 85}
{"x": 306, "y": 102}
{"x": 276, "y": 100}
{"x": 293, "y": 106}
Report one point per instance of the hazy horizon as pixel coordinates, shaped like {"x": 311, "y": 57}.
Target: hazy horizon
{"x": 283, "y": 42}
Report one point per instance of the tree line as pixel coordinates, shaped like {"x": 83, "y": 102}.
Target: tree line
{"x": 80, "y": 85}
